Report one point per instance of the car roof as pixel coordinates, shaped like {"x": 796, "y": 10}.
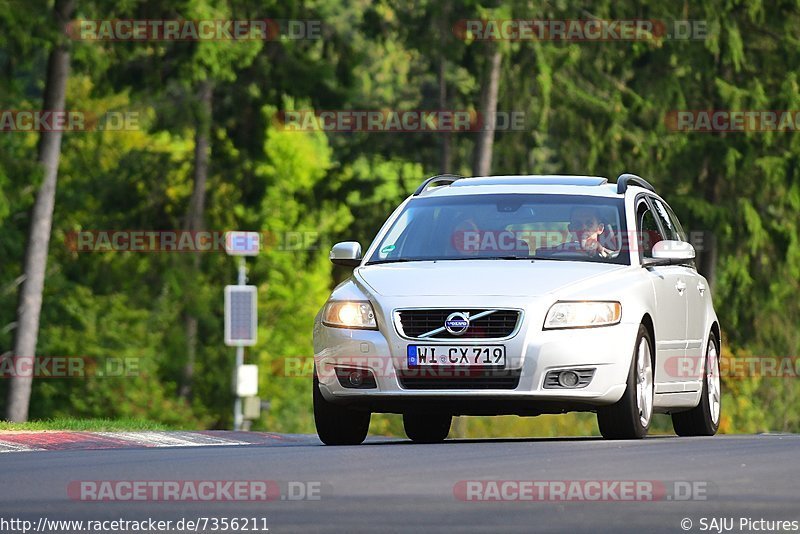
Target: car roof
{"x": 544, "y": 179}
{"x": 541, "y": 184}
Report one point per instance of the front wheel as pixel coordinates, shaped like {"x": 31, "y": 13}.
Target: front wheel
{"x": 427, "y": 428}
{"x": 703, "y": 420}
{"x": 629, "y": 417}
{"x": 338, "y": 425}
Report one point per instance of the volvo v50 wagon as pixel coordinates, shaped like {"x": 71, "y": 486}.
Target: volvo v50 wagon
{"x": 520, "y": 295}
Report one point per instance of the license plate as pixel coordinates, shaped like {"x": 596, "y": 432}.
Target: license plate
{"x": 457, "y": 355}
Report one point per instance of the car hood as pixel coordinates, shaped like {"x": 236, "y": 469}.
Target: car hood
{"x": 515, "y": 278}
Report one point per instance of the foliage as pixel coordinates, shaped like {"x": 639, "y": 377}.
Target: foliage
{"x": 590, "y": 108}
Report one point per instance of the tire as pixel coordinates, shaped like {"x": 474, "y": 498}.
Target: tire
{"x": 630, "y": 416}
{"x": 338, "y": 425}
{"x": 427, "y": 428}
{"x": 703, "y": 419}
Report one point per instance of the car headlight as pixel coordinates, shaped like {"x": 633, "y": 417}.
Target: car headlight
{"x": 349, "y": 314}
{"x": 582, "y": 314}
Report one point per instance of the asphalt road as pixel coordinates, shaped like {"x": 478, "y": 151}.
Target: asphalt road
{"x": 395, "y": 486}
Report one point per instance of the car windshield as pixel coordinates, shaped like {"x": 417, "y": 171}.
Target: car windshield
{"x": 506, "y": 226}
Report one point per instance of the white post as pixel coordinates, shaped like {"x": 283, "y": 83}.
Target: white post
{"x": 238, "y": 418}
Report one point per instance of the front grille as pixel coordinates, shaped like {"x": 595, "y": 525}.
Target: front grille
{"x": 444, "y": 378}
{"x": 499, "y": 324}
{"x": 584, "y": 377}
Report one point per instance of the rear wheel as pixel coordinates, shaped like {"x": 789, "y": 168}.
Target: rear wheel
{"x": 629, "y": 417}
{"x": 427, "y": 428}
{"x": 336, "y": 424}
{"x": 703, "y": 420}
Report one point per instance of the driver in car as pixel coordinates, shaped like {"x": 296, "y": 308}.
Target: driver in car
{"x": 586, "y": 230}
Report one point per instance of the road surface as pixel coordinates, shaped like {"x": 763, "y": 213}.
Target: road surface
{"x": 392, "y": 485}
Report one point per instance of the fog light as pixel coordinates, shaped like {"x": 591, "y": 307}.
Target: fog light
{"x": 355, "y": 378}
{"x": 568, "y": 379}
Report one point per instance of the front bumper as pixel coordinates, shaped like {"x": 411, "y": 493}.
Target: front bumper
{"x": 532, "y": 352}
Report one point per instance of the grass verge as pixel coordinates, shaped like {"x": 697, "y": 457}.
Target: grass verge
{"x": 86, "y": 425}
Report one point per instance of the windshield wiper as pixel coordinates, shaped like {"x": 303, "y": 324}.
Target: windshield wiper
{"x": 580, "y": 260}
{"x": 510, "y": 257}
{"x": 394, "y": 260}
{"x": 459, "y": 258}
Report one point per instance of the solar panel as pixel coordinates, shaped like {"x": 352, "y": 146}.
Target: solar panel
{"x": 241, "y": 322}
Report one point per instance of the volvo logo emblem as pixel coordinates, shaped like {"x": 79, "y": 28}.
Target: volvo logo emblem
{"x": 457, "y": 323}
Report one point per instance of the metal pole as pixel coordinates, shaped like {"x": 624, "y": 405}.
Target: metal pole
{"x": 237, "y": 403}
{"x": 238, "y": 418}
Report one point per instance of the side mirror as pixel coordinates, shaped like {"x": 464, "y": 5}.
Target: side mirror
{"x": 347, "y": 253}
{"x": 671, "y": 252}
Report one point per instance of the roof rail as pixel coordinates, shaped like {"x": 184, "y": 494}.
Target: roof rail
{"x": 626, "y": 180}
{"x": 533, "y": 180}
{"x": 439, "y": 179}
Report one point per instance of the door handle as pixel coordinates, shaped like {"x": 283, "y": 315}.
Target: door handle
{"x": 701, "y": 288}
{"x": 680, "y": 286}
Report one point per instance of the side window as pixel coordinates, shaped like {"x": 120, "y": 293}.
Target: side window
{"x": 675, "y": 222}
{"x": 649, "y": 232}
{"x": 393, "y": 239}
{"x": 668, "y": 221}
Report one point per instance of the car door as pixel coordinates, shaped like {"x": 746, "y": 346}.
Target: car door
{"x": 697, "y": 319}
{"x": 696, "y": 293}
{"x": 669, "y": 284}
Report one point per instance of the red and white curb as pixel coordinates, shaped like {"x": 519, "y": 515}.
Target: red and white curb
{"x": 65, "y": 441}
